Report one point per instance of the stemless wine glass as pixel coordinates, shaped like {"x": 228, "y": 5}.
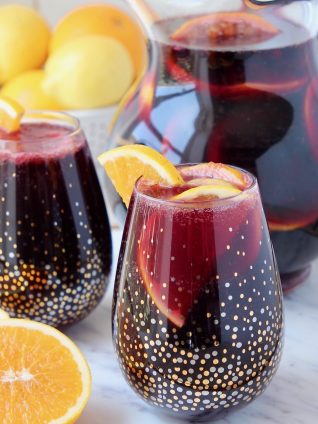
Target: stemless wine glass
{"x": 55, "y": 242}
{"x": 197, "y": 310}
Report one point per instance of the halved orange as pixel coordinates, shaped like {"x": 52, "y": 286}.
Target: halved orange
{"x": 219, "y": 191}
{"x": 225, "y": 28}
{"x": 44, "y": 378}
{"x": 215, "y": 170}
{"x": 4, "y": 314}
{"x": 11, "y": 113}
{"x": 126, "y": 164}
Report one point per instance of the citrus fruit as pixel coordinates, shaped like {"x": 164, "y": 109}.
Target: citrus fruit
{"x": 226, "y": 28}
{"x": 125, "y": 164}
{"x": 4, "y": 314}
{"x": 44, "y": 378}
{"x": 207, "y": 181}
{"x": 90, "y": 71}
{"x": 215, "y": 170}
{"x": 24, "y": 40}
{"x": 219, "y": 191}
{"x": 11, "y": 113}
{"x": 27, "y": 89}
{"x": 102, "y": 19}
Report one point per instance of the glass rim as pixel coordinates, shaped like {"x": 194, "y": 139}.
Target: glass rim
{"x": 208, "y": 203}
{"x": 46, "y": 116}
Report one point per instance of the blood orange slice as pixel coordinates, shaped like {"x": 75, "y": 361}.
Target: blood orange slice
{"x": 215, "y": 170}
{"x": 207, "y": 181}
{"x": 225, "y": 28}
{"x": 219, "y": 191}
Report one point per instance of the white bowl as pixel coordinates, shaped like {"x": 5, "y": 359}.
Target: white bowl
{"x": 95, "y": 124}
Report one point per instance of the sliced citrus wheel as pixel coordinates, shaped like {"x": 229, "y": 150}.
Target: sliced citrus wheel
{"x": 207, "y": 181}
{"x": 219, "y": 191}
{"x": 4, "y": 314}
{"x": 44, "y": 378}
{"x": 11, "y": 113}
{"x": 125, "y": 164}
{"x": 279, "y": 226}
{"x": 293, "y": 223}
{"x": 225, "y": 28}
{"x": 215, "y": 170}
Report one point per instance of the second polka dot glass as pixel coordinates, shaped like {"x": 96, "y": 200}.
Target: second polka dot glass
{"x": 55, "y": 241}
{"x": 197, "y": 312}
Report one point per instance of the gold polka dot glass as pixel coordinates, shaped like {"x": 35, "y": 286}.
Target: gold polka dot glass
{"x": 55, "y": 243}
{"x": 197, "y": 310}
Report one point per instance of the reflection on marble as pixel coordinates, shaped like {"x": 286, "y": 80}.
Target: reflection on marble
{"x": 292, "y": 398}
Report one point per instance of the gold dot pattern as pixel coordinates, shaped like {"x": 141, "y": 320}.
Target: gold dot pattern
{"x": 225, "y": 354}
{"x": 55, "y": 245}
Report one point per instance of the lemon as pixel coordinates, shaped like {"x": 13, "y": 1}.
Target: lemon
{"x": 27, "y": 89}
{"x": 102, "y": 19}
{"x": 11, "y": 114}
{"x": 24, "y": 40}
{"x": 90, "y": 71}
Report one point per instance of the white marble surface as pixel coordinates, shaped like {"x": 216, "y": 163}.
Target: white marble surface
{"x": 292, "y": 397}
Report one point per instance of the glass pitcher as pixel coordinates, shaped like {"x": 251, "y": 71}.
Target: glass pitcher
{"x": 236, "y": 81}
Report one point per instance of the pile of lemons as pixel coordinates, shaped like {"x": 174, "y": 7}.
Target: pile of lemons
{"x": 88, "y": 60}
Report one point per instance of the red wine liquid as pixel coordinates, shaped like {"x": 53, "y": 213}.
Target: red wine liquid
{"x": 55, "y": 244}
{"x": 254, "y": 106}
{"x": 197, "y": 310}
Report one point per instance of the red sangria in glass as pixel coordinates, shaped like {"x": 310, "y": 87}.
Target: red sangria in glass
{"x": 197, "y": 309}
{"x": 55, "y": 242}
{"x": 237, "y": 86}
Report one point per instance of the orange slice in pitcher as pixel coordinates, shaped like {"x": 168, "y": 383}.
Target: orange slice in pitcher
{"x": 225, "y": 28}
{"x": 124, "y": 165}
{"x": 216, "y": 191}
{"x": 11, "y": 113}
{"x": 215, "y": 170}
{"x": 44, "y": 378}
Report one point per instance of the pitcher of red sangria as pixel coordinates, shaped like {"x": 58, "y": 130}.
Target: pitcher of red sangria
{"x": 236, "y": 81}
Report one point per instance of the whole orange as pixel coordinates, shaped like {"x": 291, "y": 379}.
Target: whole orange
{"x": 102, "y": 19}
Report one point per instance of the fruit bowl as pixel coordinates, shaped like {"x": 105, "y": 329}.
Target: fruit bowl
{"x": 95, "y": 124}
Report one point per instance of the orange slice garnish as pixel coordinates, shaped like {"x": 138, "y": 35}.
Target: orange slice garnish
{"x": 125, "y": 165}
{"x": 44, "y": 378}
{"x": 11, "y": 113}
{"x": 219, "y": 191}
{"x": 215, "y": 170}
{"x": 225, "y": 28}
